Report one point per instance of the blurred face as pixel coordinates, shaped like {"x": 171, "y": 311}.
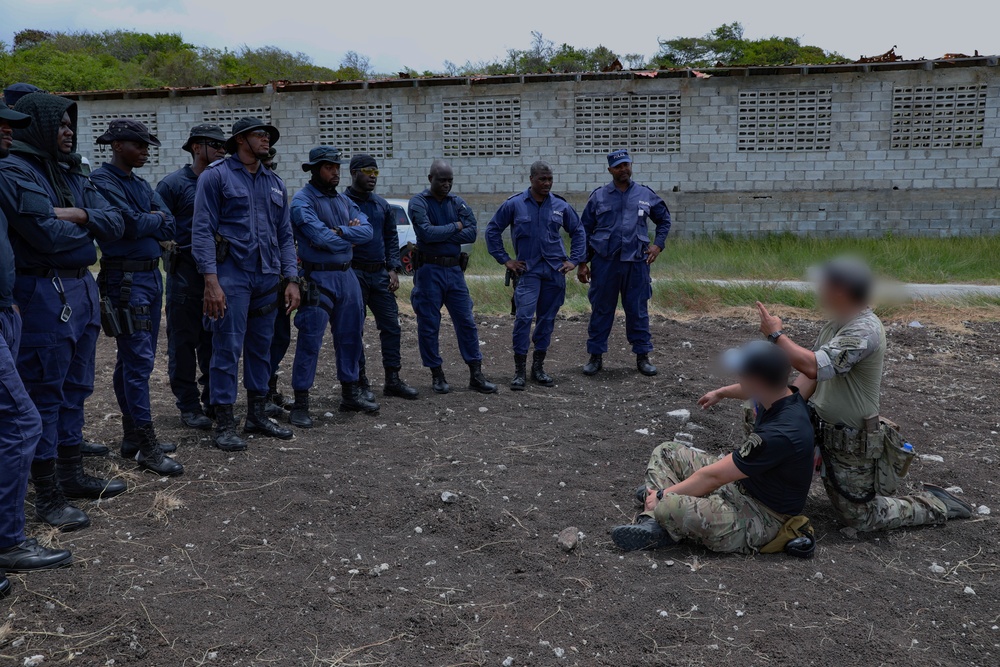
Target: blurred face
{"x": 441, "y": 180}
{"x": 622, "y": 173}
{"x": 256, "y": 142}
{"x": 365, "y": 180}
{"x": 6, "y": 138}
{"x": 832, "y": 298}
{"x": 329, "y": 174}
{"x": 132, "y": 154}
{"x": 64, "y": 139}
{"x": 541, "y": 184}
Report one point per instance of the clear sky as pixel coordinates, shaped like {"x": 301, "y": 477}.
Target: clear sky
{"x": 400, "y": 33}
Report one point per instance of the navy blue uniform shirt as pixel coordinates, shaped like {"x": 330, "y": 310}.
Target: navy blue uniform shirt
{"x": 316, "y": 215}
{"x": 7, "y": 274}
{"x": 384, "y": 246}
{"x": 434, "y": 223}
{"x": 177, "y": 192}
{"x": 536, "y": 231}
{"x": 138, "y": 203}
{"x": 618, "y": 222}
{"x": 778, "y": 456}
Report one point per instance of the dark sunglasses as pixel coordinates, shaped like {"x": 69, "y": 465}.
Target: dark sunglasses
{"x": 213, "y": 144}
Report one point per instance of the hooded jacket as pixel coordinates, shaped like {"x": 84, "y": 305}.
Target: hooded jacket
{"x": 36, "y": 179}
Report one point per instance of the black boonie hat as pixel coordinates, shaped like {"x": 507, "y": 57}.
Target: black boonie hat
{"x": 249, "y": 124}
{"x": 322, "y": 154}
{"x": 204, "y": 131}
{"x": 16, "y": 120}
{"x": 128, "y": 129}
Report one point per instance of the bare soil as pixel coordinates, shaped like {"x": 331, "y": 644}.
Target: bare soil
{"x": 336, "y": 548}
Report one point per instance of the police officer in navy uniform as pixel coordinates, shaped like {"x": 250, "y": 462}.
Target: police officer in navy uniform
{"x": 377, "y": 266}
{"x": 54, "y": 214}
{"x": 132, "y": 287}
{"x": 241, "y": 239}
{"x": 443, "y": 222}
{"x": 536, "y": 218}
{"x": 20, "y": 424}
{"x": 327, "y": 225}
{"x": 617, "y": 218}
{"x": 189, "y": 344}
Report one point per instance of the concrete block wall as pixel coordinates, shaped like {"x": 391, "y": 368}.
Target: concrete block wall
{"x": 857, "y": 184}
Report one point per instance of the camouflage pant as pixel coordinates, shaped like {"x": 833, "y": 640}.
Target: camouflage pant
{"x": 726, "y": 520}
{"x": 856, "y": 476}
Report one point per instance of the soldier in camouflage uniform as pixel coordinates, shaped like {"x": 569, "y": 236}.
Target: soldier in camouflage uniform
{"x": 739, "y": 503}
{"x": 864, "y": 456}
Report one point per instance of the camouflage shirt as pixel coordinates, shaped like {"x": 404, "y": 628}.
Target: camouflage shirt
{"x": 849, "y": 360}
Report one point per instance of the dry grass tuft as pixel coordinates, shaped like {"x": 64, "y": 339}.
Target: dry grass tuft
{"x": 164, "y": 503}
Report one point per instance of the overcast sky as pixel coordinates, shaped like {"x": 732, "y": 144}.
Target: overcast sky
{"x": 401, "y": 33}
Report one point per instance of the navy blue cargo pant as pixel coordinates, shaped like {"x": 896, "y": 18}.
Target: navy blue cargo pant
{"x": 378, "y": 299}
{"x": 252, "y": 301}
{"x": 56, "y": 359}
{"x": 435, "y": 286}
{"x": 340, "y": 306}
{"x": 20, "y": 430}
{"x": 539, "y": 295}
{"x": 609, "y": 279}
{"x": 189, "y": 344}
{"x": 281, "y": 340}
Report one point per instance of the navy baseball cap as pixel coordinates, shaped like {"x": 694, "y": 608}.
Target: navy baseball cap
{"x": 16, "y": 120}
{"x": 618, "y": 157}
{"x": 759, "y": 359}
{"x": 15, "y": 91}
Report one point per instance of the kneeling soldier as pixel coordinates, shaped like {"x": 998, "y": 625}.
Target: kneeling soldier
{"x": 536, "y": 218}
{"x": 741, "y": 502}
{"x": 327, "y": 225}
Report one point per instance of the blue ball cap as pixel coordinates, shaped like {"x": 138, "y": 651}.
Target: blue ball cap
{"x": 617, "y": 157}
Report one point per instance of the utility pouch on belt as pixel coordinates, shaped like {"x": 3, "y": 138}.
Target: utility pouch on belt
{"x": 171, "y": 258}
{"x": 109, "y": 318}
{"x": 221, "y": 249}
{"x": 463, "y": 261}
{"x": 310, "y": 293}
{"x": 895, "y": 460}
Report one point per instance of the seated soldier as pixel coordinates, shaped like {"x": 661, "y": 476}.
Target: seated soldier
{"x": 741, "y": 502}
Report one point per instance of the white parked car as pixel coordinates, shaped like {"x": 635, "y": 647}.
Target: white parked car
{"x": 408, "y": 237}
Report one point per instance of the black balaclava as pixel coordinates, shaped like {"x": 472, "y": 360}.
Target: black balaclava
{"x": 40, "y": 139}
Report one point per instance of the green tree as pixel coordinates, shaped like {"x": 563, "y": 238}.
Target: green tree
{"x": 727, "y": 45}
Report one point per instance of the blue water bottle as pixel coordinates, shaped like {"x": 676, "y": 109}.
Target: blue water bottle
{"x": 908, "y": 449}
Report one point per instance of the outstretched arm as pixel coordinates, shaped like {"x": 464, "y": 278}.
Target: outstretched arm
{"x": 704, "y": 481}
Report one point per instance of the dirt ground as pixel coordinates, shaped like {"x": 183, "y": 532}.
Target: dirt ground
{"x": 335, "y": 548}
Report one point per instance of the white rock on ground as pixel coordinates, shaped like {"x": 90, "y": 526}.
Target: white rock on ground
{"x": 684, "y": 437}
{"x": 448, "y": 497}
{"x": 683, "y": 415}
{"x": 983, "y": 510}
{"x": 932, "y": 457}
{"x": 568, "y": 538}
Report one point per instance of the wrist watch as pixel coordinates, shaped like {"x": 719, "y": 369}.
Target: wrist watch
{"x": 773, "y": 337}
{"x": 295, "y": 280}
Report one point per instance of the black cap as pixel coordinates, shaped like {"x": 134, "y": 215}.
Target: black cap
{"x": 204, "y": 131}
{"x": 322, "y": 154}
{"x": 16, "y": 120}
{"x": 127, "y": 129}
{"x": 363, "y": 161}
{"x": 249, "y": 124}
{"x": 850, "y": 274}
{"x": 15, "y": 91}
{"x": 761, "y": 360}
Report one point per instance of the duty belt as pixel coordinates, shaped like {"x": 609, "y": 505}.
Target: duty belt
{"x": 372, "y": 267}
{"x": 54, "y": 273}
{"x": 439, "y": 260}
{"x": 309, "y": 267}
{"x": 129, "y": 265}
{"x": 838, "y": 438}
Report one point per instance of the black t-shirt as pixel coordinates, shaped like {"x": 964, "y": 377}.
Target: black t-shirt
{"x": 777, "y": 457}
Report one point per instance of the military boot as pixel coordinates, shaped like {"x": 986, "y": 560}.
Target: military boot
{"x": 438, "y": 383}
{"x": 76, "y": 483}
{"x": 957, "y": 509}
{"x": 646, "y": 533}
{"x": 51, "y": 506}
{"x": 519, "y": 381}
{"x": 257, "y": 422}
{"x": 352, "y": 399}
{"x": 478, "y": 381}
{"x": 643, "y": 365}
{"x": 225, "y": 430}
{"x": 197, "y": 419}
{"x": 274, "y": 406}
{"x": 88, "y": 448}
{"x": 394, "y": 386}
{"x": 538, "y": 373}
{"x": 594, "y": 366}
{"x": 366, "y": 387}
{"x": 299, "y": 416}
{"x": 132, "y": 437}
{"x": 151, "y": 456}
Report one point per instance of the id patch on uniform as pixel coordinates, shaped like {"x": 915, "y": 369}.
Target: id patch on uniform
{"x": 849, "y": 343}
{"x": 751, "y": 445}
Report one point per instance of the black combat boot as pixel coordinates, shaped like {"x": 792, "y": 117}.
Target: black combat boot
{"x": 520, "y": 379}
{"x": 88, "y": 448}
{"x": 478, "y": 381}
{"x": 257, "y": 422}
{"x": 29, "y": 556}
{"x": 51, "y": 506}
{"x": 594, "y": 366}
{"x": 151, "y": 456}
{"x": 274, "y": 406}
{"x": 538, "y": 373}
{"x": 197, "y": 419}
{"x": 132, "y": 437}
{"x": 394, "y": 386}
{"x": 352, "y": 399}
{"x": 642, "y": 363}
{"x": 646, "y": 533}
{"x": 438, "y": 383}
{"x": 299, "y": 416}
{"x": 955, "y": 507}
{"x": 75, "y": 483}
{"x": 366, "y": 387}
{"x": 225, "y": 430}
